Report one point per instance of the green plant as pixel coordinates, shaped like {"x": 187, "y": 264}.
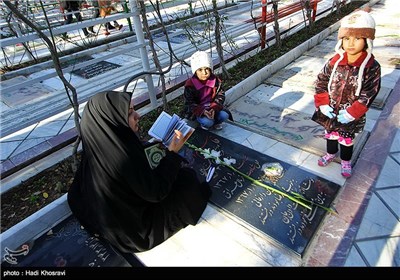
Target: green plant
{"x": 34, "y": 198}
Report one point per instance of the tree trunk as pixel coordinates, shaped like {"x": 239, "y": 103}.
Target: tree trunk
{"x": 278, "y": 41}
{"x": 218, "y": 41}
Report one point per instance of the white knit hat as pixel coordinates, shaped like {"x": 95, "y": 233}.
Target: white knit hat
{"x": 359, "y": 24}
{"x": 200, "y": 59}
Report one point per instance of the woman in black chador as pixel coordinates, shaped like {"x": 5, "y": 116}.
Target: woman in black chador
{"x": 116, "y": 194}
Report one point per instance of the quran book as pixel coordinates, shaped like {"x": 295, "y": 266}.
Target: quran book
{"x": 154, "y": 154}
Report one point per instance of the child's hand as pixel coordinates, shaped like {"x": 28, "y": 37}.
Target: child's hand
{"x": 209, "y": 114}
{"x": 344, "y": 117}
{"x": 327, "y": 111}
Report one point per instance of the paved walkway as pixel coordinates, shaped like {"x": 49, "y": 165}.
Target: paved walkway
{"x": 367, "y": 230}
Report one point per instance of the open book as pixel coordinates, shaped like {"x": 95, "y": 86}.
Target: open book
{"x": 165, "y": 125}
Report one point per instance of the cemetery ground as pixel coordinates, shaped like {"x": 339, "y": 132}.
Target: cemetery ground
{"x": 40, "y": 190}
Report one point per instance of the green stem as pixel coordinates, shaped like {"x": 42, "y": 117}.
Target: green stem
{"x": 269, "y": 187}
{"x": 330, "y": 210}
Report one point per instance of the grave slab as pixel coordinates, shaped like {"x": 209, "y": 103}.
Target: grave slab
{"x": 24, "y": 95}
{"x": 286, "y": 223}
{"x": 283, "y": 124}
{"x": 67, "y": 245}
{"x": 95, "y": 69}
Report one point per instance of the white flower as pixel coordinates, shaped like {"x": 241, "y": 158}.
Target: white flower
{"x": 206, "y": 153}
{"x": 229, "y": 161}
{"x": 213, "y": 154}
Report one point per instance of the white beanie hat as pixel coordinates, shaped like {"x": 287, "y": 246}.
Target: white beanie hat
{"x": 359, "y": 24}
{"x": 200, "y": 59}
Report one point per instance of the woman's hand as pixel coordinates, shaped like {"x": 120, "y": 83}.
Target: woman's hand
{"x": 178, "y": 141}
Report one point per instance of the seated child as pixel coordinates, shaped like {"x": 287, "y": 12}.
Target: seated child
{"x": 204, "y": 97}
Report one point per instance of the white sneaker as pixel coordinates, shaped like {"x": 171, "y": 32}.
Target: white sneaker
{"x": 218, "y": 126}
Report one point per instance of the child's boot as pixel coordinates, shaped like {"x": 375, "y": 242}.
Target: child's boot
{"x": 346, "y": 168}
{"x": 326, "y": 159}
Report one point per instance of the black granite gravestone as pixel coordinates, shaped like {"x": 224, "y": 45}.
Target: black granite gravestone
{"x": 67, "y": 245}
{"x": 95, "y": 69}
{"x": 286, "y": 222}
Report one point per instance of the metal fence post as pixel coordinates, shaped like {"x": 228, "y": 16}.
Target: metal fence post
{"x": 143, "y": 52}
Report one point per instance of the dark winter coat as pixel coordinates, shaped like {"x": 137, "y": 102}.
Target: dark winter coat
{"x": 117, "y": 195}
{"x": 342, "y": 94}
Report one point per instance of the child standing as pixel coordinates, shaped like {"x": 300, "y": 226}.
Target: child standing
{"x": 204, "y": 97}
{"x": 104, "y": 8}
{"x": 346, "y": 87}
